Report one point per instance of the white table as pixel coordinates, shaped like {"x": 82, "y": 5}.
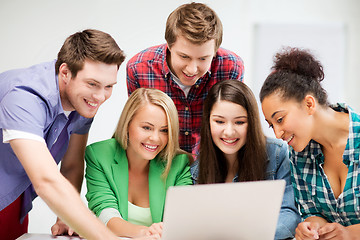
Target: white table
{"x": 36, "y": 236}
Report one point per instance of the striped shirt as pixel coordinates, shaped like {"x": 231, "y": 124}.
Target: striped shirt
{"x": 149, "y": 69}
{"x": 313, "y": 192}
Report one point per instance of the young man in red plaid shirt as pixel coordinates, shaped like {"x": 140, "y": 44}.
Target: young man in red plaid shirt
{"x": 187, "y": 66}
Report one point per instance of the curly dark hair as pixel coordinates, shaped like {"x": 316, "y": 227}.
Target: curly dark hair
{"x": 296, "y": 73}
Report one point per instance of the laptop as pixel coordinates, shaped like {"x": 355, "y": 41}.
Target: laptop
{"x": 223, "y": 211}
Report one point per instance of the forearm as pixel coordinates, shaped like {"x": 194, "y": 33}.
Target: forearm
{"x": 355, "y": 231}
{"x": 72, "y": 165}
{"x": 75, "y": 176}
{"x": 123, "y": 228}
{"x": 56, "y": 191}
{"x": 64, "y": 200}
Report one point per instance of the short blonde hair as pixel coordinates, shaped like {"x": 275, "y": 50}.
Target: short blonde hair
{"x": 139, "y": 98}
{"x": 196, "y": 22}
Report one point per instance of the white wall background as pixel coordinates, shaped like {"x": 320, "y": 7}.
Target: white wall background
{"x": 327, "y": 41}
{"x": 32, "y": 31}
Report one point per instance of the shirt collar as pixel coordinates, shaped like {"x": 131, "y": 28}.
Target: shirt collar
{"x": 165, "y": 67}
{"x": 352, "y": 150}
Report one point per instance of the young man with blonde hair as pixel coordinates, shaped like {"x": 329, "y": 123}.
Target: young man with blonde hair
{"x": 187, "y": 66}
{"x": 45, "y": 115}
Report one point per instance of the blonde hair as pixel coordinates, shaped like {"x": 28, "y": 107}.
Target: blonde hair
{"x": 139, "y": 98}
{"x": 196, "y": 22}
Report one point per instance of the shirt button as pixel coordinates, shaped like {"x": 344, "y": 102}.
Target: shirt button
{"x": 196, "y": 86}
{"x": 186, "y": 109}
{"x": 186, "y": 133}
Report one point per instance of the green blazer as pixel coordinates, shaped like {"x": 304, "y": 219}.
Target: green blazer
{"x": 107, "y": 179}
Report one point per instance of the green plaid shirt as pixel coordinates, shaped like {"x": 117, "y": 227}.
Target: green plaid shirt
{"x": 313, "y": 192}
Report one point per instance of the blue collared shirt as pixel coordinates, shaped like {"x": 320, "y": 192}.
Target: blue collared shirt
{"x": 312, "y": 189}
{"x": 30, "y": 102}
{"x": 278, "y": 167}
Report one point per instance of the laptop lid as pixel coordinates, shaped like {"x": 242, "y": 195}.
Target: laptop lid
{"x": 246, "y": 210}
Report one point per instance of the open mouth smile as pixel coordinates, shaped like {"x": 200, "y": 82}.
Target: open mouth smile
{"x": 289, "y": 139}
{"x": 190, "y": 76}
{"x": 230, "y": 141}
{"x": 151, "y": 148}
{"x": 92, "y": 104}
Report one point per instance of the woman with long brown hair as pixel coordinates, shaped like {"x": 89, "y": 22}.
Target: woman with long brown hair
{"x": 233, "y": 148}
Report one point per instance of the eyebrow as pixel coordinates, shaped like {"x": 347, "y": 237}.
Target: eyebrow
{"x": 276, "y": 113}
{"x": 92, "y": 79}
{"x": 113, "y": 83}
{"x": 214, "y": 115}
{"x": 148, "y": 123}
{"x": 181, "y": 53}
{"x": 154, "y": 125}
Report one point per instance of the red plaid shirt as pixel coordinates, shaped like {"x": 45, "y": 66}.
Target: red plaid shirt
{"x": 149, "y": 69}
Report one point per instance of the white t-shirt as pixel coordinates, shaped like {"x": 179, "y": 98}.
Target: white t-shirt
{"x": 9, "y": 134}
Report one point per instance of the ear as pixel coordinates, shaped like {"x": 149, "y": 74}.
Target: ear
{"x": 310, "y": 104}
{"x": 64, "y": 73}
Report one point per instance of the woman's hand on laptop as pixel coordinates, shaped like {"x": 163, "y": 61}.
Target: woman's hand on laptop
{"x": 154, "y": 229}
{"x": 152, "y": 237}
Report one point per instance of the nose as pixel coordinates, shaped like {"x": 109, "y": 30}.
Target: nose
{"x": 99, "y": 95}
{"x": 154, "y": 136}
{"x": 278, "y": 132}
{"x": 229, "y": 130}
{"x": 191, "y": 67}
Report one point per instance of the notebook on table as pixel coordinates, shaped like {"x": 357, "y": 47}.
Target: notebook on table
{"x": 224, "y": 211}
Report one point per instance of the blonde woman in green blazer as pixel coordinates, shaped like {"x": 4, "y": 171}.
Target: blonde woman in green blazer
{"x": 127, "y": 176}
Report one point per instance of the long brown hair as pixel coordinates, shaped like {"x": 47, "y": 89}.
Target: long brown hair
{"x": 252, "y": 157}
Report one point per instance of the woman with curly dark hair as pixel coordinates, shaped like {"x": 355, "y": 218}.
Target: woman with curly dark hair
{"x": 324, "y": 145}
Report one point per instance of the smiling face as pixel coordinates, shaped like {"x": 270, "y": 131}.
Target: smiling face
{"x": 228, "y": 126}
{"x": 290, "y": 120}
{"x": 91, "y": 87}
{"x": 189, "y": 61}
{"x": 148, "y": 133}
